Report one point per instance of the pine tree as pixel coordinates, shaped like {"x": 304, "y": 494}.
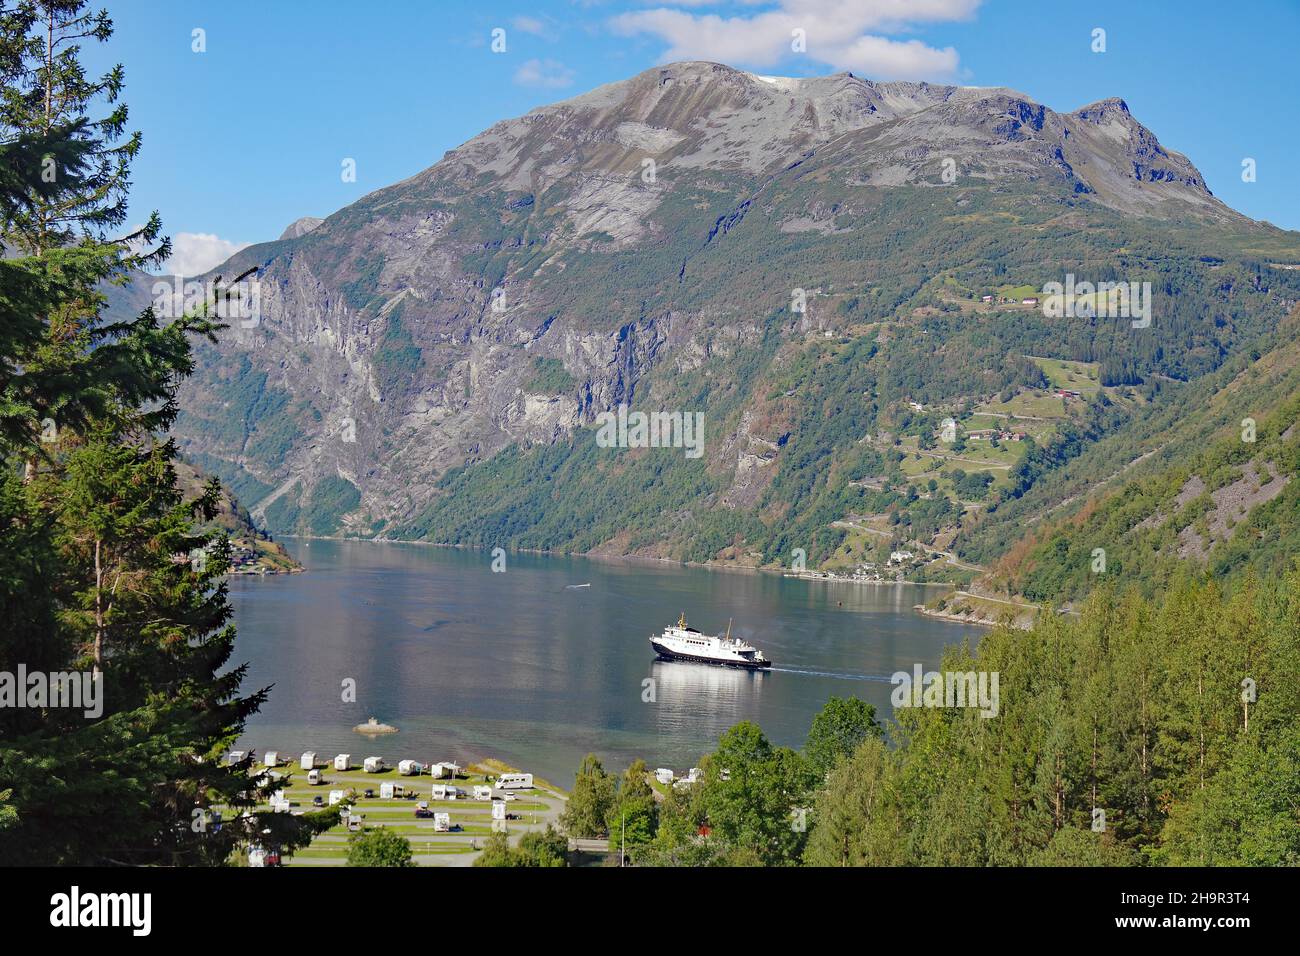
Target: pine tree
{"x": 50, "y": 91}
{"x": 101, "y": 570}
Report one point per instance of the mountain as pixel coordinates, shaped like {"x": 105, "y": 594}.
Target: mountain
{"x": 824, "y": 269}
{"x": 300, "y": 227}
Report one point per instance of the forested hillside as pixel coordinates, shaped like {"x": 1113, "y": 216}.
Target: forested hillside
{"x": 1142, "y": 733}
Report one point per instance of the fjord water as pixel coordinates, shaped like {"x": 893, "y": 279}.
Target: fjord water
{"x": 468, "y": 663}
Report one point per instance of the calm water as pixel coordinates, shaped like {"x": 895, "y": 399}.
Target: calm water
{"x": 470, "y": 664}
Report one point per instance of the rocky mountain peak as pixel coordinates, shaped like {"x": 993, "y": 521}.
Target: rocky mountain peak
{"x": 300, "y": 227}
{"x": 708, "y": 116}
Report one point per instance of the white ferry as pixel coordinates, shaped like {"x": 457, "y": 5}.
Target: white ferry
{"x": 679, "y": 642}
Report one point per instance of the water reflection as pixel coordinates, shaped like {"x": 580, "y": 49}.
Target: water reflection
{"x": 690, "y": 694}
{"x": 468, "y": 663}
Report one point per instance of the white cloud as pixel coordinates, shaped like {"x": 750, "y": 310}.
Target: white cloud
{"x": 836, "y": 31}
{"x": 551, "y": 74}
{"x": 535, "y": 26}
{"x": 194, "y": 253}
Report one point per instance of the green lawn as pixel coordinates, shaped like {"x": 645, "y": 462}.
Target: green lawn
{"x": 1082, "y": 377}
{"x": 1033, "y": 402}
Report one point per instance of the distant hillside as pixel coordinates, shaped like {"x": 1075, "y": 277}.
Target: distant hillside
{"x": 1211, "y": 484}
{"x": 252, "y": 550}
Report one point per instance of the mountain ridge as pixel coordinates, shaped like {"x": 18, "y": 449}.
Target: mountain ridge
{"x": 536, "y": 276}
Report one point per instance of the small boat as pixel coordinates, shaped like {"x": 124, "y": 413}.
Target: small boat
{"x": 680, "y": 642}
{"x": 571, "y": 587}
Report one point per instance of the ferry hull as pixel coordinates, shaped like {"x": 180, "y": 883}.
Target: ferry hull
{"x": 667, "y": 654}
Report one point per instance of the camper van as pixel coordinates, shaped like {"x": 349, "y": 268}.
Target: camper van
{"x": 374, "y": 764}
{"x": 313, "y": 778}
{"x": 336, "y": 796}
{"x": 272, "y": 758}
{"x": 442, "y": 822}
{"x": 482, "y": 793}
{"x": 343, "y": 762}
{"x": 409, "y": 768}
{"x": 391, "y": 791}
{"x": 515, "y": 781}
{"x": 259, "y": 855}
{"x": 308, "y": 760}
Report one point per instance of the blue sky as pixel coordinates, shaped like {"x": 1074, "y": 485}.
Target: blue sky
{"x": 244, "y": 138}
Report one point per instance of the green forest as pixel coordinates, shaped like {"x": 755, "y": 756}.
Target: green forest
{"x": 1139, "y": 734}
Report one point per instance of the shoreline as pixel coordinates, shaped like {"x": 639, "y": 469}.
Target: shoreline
{"x": 952, "y": 618}
{"x": 627, "y": 559}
